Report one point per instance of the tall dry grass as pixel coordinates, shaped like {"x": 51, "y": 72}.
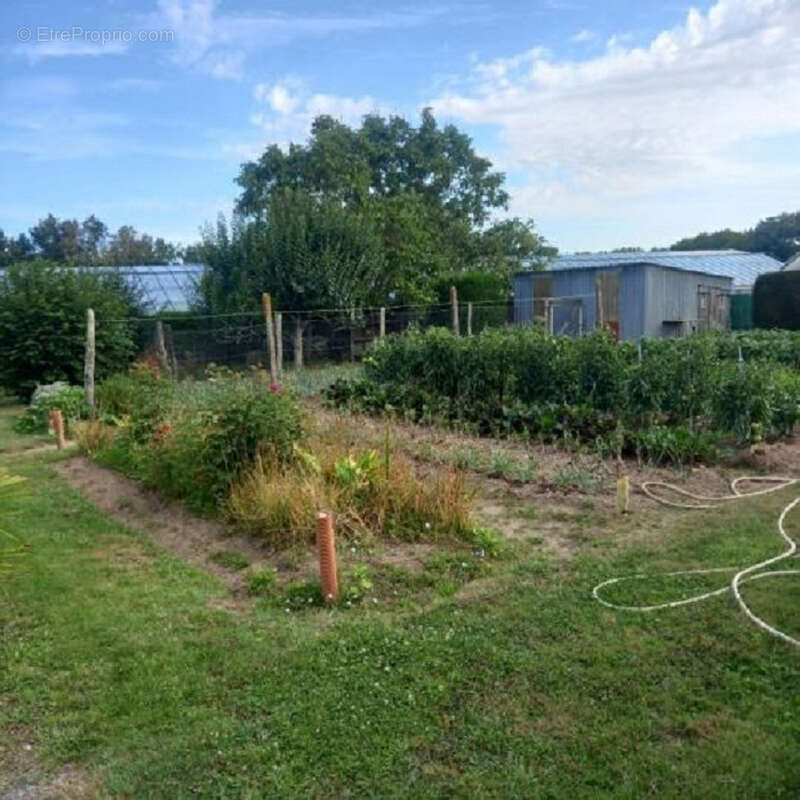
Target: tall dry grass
{"x": 372, "y": 492}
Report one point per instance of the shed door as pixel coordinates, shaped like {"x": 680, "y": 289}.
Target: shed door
{"x": 542, "y": 290}
{"x": 607, "y": 293}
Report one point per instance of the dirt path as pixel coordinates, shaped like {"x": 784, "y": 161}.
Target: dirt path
{"x": 167, "y": 523}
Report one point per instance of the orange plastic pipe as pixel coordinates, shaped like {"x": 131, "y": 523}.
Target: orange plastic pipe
{"x": 58, "y": 428}
{"x": 326, "y": 548}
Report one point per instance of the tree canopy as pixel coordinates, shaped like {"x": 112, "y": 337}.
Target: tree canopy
{"x": 309, "y": 252}
{"x": 777, "y": 236}
{"x": 423, "y": 190}
{"x": 87, "y": 243}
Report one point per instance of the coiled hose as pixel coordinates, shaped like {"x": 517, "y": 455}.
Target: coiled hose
{"x": 743, "y": 575}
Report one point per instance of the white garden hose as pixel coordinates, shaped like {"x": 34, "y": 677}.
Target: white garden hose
{"x": 743, "y": 575}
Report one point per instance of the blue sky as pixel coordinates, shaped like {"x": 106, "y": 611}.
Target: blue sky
{"x": 617, "y": 123}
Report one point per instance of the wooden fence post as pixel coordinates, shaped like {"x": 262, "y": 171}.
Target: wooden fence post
{"x": 161, "y": 347}
{"x": 298, "y": 342}
{"x": 326, "y": 549}
{"x": 88, "y": 362}
{"x": 382, "y": 322}
{"x": 454, "y": 310}
{"x": 469, "y": 318}
{"x": 266, "y": 301}
{"x": 279, "y": 341}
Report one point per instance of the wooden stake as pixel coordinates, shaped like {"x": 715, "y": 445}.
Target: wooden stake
{"x": 352, "y": 332}
{"x": 298, "y": 342}
{"x": 623, "y": 494}
{"x": 326, "y": 549}
{"x": 88, "y": 362}
{"x": 279, "y": 341}
{"x": 454, "y": 310}
{"x": 161, "y": 347}
{"x": 469, "y": 318}
{"x": 382, "y": 322}
{"x": 266, "y": 301}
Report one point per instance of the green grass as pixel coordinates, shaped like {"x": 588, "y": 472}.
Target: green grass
{"x": 115, "y": 659}
{"x": 310, "y": 381}
{"x": 10, "y": 441}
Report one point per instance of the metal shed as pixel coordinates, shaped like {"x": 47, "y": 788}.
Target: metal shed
{"x": 633, "y": 297}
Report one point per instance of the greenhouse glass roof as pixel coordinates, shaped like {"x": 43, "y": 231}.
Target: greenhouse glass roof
{"x": 161, "y": 287}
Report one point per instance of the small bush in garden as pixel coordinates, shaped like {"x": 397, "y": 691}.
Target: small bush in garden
{"x": 68, "y": 399}
{"x": 141, "y": 397}
{"x": 677, "y": 446}
{"x": 245, "y": 422}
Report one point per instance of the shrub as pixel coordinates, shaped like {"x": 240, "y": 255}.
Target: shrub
{"x": 776, "y": 300}
{"x": 68, "y": 399}
{"x": 43, "y": 324}
{"x": 141, "y": 397}
{"x": 192, "y": 441}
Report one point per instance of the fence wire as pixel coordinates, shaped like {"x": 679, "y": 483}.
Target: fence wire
{"x": 188, "y": 344}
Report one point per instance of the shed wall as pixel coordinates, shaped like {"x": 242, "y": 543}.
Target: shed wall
{"x": 671, "y": 296}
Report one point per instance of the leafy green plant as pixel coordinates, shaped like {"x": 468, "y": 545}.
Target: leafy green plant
{"x": 261, "y": 582}
{"x": 68, "y": 399}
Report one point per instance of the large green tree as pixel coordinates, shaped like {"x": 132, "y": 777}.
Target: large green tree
{"x": 430, "y": 195}
{"x": 308, "y": 252}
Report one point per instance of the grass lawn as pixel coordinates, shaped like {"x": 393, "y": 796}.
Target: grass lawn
{"x": 116, "y": 663}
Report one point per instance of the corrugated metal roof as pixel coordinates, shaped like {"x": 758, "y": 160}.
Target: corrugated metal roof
{"x": 742, "y": 267}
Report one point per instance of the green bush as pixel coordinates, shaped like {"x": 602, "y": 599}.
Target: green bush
{"x": 776, "y": 300}
{"x": 193, "y": 440}
{"x": 43, "y": 324}
{"x": 141, "y": 398}
{"x": 68, "y": 399}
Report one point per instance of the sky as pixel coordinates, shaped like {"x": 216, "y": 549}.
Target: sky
{"x": 617, "y": 123}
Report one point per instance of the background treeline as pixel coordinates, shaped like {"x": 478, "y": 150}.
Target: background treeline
{"x": 87, "y": 243}
{"x": 777, "y": 236}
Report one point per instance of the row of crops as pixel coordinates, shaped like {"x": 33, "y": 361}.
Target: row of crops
{"x": 666, "y": 399}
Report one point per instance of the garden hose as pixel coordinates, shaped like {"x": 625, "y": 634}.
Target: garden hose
{"x": 742, "y": 575}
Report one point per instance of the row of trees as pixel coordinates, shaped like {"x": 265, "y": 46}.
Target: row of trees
{"x": 87, "y": 243}
{"x": 777, "y": 236}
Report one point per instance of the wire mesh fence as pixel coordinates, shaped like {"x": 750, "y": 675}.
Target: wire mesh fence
{"x": 187, "y": 344}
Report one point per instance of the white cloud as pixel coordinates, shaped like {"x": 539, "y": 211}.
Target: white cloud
{"x": 217, "y": 43}
{"x": 638, "y": 120}
{"x": 584, "y": 36}
{"x": 287, "y": 109}
{"x": 56, "y": 48}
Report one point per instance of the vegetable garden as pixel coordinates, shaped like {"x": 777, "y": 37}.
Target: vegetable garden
{"x": 663, "y": 400}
